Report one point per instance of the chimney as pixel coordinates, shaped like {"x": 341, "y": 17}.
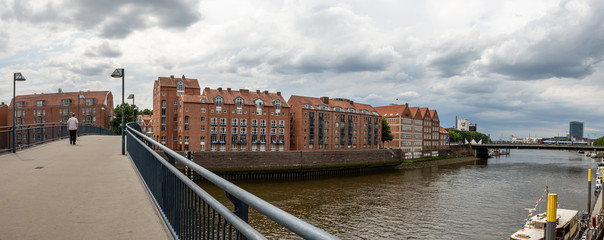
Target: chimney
{"x": 220, "y": 89}
{"x": 258, "y": 91}
{"x": 60, "y": 91}
{"x": 183, "y": 77}
{"x": 244, "y": 90}
{"x": 325, "y": 100}
{"x": 278, "y": 93}
{"x": 407, "y": 104}
{"x": 351, "y": 102}
{"x": 265, "y": 92}
{"x": 228, "y": 89}
{"x": 171, "y": 76}
{"x": 206, "y": 89}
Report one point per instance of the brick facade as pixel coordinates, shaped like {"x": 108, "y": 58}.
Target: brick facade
{"x": 416, "y": 130}
{"x": 333, "y": 124}
{"x": 95, "y": 108}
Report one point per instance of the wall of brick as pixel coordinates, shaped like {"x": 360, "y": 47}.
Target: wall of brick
{"x": 296, "y": 160}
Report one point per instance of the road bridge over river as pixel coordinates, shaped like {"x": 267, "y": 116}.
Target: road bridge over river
{"x": 482, "y": 149}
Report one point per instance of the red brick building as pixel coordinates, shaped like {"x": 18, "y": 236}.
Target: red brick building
{"x": 3, "y": 123}
{"x": 146, "y": 124}
{"x": 444, "y": 139}
{"x": 94, "y": 108}
{"x": 416, "y": 130}
{"x": 166, "y": 93}
{"x": 333, "y": 124}
{"x": 218, "y": 119}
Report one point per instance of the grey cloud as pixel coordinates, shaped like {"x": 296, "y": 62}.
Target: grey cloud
{"x": 104, "y": 50}
{"x": 454, "y": 61}
{"x": 111, "y": 18}
{"x": 565, "y": 43}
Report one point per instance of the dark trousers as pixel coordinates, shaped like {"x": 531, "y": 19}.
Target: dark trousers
{"x": 72, "y": 136}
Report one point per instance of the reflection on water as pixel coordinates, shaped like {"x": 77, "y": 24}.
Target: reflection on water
{"x": 479, "y": 200}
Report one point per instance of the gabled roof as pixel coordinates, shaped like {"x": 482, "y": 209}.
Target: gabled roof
{"x": 332, "y": 104}
{"x": 425, "y": 113}
{"x": 248, "y": 97}
{"x": 391, "y": 110}
{"x": 434, "y": 114}
{"x": 54, "y": 99}
{"x": 443, "y": 131}
{"x": 171, "y": 81}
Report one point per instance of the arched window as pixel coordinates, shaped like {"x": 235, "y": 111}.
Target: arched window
{"x": 258, "y": 102}
{"x": 218, "y": 100}
{"x": 308, "y": 105}
{"x": 277, "y": 104}
{"x": 239, "y": 102}
{"x": 180, "y": 88}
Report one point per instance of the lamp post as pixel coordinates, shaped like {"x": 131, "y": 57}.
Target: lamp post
{"x": 131, "y": 96}
{"x": 117, "y": 73}
{"x": 80, "y": 96}
{"x": 16, "y": 77}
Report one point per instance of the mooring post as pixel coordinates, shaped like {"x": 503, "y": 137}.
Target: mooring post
{"x": 550, "y": 226}
{"x": 589, "y": 192}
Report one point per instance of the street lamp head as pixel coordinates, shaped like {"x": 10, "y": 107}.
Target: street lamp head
{"x": 131, "y": 96}
{"x": 118, "y": 73}
{"x": 19, "y": 77}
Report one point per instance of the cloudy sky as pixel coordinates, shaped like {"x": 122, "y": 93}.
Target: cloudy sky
{"x": 515, "y": 67}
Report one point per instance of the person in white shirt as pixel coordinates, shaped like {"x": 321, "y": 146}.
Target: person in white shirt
{"x": 72, "y": 125}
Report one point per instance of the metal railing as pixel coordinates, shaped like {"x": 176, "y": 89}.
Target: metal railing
{"x": 192, "y": 213}
{"x": 34, "y": 134}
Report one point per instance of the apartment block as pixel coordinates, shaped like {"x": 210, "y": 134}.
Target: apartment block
{"x": 333, "y": 124}
{"x": 166, "y": 99}
{"x": 146, "y": 124}
{"x": 218, "y": 119}
{"x": 4, "y": 135}
{"x": 416, "y": 130}
{"x": 444, "y": 139}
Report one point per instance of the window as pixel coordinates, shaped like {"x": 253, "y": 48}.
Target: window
{"x": 163, "y": 104}
{"x": 214, "y": 121}
{"x": 222, "y": 121}
{"x": 254, "y": 131}
{"x": 263, "y": 122}
{"x": 308, "y": 105}
{"x": 203, "y": 128}
{"x": 202, "y": 142}
{"x": 203, "y": 119}
{"x": 213, "y": 130}
{"x": 39, "y": 103}
{"x": 222, "y": 130}
{"x": 239, "y": 103}
{"x": 64, "y": 102}
{"x": 218, "y": 100}
{"x": 180, "y": 88}
{"x": 254, "y": 122}
{"x": 234, "y": 122}
{"x": 258, "y": 102}
{"x": 243, "y": 122}
{"x": 262, "y": 131}
{"x": 89, "y": 101}
{"x": 281, "y": 123}
{"x": 203, "y": 110}
{"x": 277, "y": 104}
{"x": 234, "y": 130}
{"x": 323, "y": 107}
{"x": 273, "y": 131}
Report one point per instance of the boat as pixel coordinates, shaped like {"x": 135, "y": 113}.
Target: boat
{"x": 534, "y": 229}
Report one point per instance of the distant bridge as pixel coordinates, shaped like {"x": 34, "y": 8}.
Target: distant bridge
{"x": 482, "y": 150}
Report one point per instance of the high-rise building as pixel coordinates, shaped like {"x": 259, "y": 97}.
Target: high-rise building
{"x": 575, "y": 129}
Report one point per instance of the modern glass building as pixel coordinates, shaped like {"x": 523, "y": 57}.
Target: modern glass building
{"x": 576, "y": 129}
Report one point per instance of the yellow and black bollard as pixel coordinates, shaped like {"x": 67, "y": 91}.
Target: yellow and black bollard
{"x": 589, "y": 192}
{"x": 550, "y": 226}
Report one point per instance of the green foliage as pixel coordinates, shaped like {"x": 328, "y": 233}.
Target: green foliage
{"x": 459, "y": 136}
{"x": 386, "y": 133}
{"x": 117, "y": 120}
{"x": 599, "y": 142}
{"x": 147, "y": 112}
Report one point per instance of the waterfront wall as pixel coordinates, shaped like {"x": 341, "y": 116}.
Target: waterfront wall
{"x": 295, "y": 161}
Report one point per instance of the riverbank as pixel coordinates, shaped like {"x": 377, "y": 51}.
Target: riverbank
{"x": 424, "y": 163}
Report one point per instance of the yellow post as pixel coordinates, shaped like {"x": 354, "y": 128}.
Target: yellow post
{"x": 589, "y": 191}
{"x": 550, "y": 227}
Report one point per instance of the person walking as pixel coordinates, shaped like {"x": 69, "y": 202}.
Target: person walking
{"x": 72, "y": 125}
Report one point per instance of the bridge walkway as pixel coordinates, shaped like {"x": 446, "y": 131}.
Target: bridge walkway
{"x": 84, "y": 191}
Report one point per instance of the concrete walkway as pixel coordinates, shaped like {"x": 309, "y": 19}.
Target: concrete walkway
{"x": 84, "y": 191}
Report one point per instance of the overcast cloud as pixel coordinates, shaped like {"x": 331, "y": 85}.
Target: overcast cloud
{"x": 514, "y": 67}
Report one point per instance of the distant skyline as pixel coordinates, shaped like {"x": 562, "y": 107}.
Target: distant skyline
{"x": 513, "y": 67}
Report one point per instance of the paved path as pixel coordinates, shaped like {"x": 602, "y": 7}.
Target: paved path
{"x": 87, "y": 191}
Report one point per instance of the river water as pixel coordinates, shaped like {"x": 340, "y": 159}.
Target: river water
{"x": 484, "y": 199}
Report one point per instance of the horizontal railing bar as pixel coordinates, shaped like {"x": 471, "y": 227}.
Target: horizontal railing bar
{"x": 281, "y": 217}
{"x": 242, "y": 226}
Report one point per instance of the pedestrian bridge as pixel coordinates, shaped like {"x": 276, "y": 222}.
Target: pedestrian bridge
{"x": 85, "y": 191}
{"x": 54, "y": 190}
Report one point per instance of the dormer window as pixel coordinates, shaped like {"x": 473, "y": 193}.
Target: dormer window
{"x": 376, "y": 113}
{"x": 239, "y": 102}
{"x": 277, "y": 104}
{"x": 218, "y": 100}
{"x": 352, "y": 110}
{"x": 366, "y": 112}
{"x": 323, "y": 107}
{"x": 180, "y": 88}
{"x": 258, "y": 102}
{"x": 338, "y": 109}
{"x": 308, "y": 105}
{"x": 66, "y": 102}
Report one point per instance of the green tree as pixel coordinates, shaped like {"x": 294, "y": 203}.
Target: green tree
{"x": 599, "y": 142}
{"x": 459, "y": 136}
{"x": 117, "y": 119}
{"x": 147, "y": 112}
{"x": 386, "y": 133}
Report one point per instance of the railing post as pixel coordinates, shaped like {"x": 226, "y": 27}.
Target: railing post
{"x": 241, "y": 209}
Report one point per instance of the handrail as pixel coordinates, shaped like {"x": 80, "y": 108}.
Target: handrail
{"x": 239, "y": 224}
{"x": 281, "y": 217}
